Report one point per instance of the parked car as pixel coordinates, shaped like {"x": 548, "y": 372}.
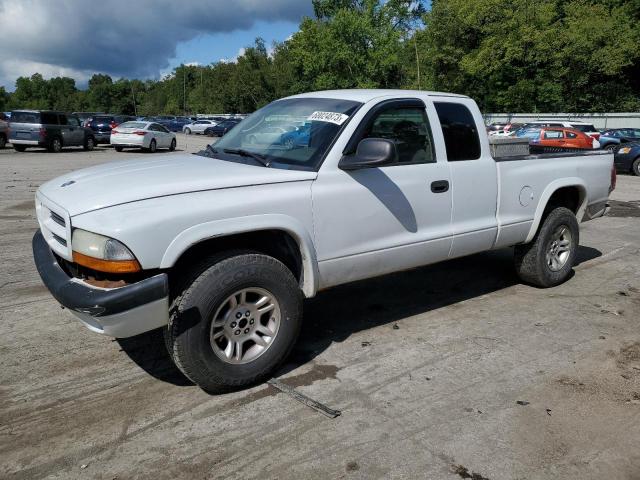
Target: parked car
{"x": 48, "y": 129}
{"x": 219, "y": 250}
{"x": 297, "y": 138}
{"x": 103, "y": 124}
{"x": 627, "y": 158}
{"x": 148, "y": 136}
{"x": 269, "y": 134}
{"x": 84, "y": 117}
{"x": 558, "y": 137}
{"x": 584, "y": 127}
{"x": 220, "y": 129}
{"x": 177, "y": 123}
{"x": 610, "y": 139}
{"x": 4, "y": 133}
{"x": 198, "y": 126}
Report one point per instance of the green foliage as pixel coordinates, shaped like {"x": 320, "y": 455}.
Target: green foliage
{"x": 520, "y": 55}
{"x": 524, "y": 55}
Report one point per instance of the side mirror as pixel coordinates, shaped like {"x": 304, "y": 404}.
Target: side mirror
{"x": 371, "y": 153}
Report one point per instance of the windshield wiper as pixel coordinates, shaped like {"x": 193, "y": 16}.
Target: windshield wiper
{"x": 246, "y": 153}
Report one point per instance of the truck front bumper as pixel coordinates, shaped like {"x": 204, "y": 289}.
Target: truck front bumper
{"x": 117, "y": 312}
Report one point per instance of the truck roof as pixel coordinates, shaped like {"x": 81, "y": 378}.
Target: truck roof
{"x": 365, "y": 95}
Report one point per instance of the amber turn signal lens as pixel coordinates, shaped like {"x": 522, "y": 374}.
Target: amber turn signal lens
{"x": 108, "y": 266}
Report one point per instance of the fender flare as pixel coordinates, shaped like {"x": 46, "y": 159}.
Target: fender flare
{"x": 546, "y": 195}
{"x": 221, "y": 228}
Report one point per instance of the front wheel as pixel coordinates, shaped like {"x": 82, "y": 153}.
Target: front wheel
{"x": 89, "y": 144}
{"x": 548, "y": 259}
{"x": 187, "y": 131}
{"x": 172, "y": 147}
{"x": 3, "y": 141}
{"x": 153, "y": 146}
{"x": 19, "y": 148}
{"x": 635, "y": 167}
{"x": 118, "y": 149}
{"x": 235, "y": 321}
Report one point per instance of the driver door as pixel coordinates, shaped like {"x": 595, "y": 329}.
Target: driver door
{"x": 374, "y": 221}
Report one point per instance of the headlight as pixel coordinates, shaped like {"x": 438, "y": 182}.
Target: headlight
{"x": 624, "y": 150}
{"x": 102, "y": 253}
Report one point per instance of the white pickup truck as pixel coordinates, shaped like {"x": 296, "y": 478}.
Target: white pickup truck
{"x": 309, "y": 192}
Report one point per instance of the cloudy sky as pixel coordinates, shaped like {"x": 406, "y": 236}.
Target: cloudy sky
{"x": 133, "y": 38}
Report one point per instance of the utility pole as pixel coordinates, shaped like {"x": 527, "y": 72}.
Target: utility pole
{"x": 184, "y": 90}
{"x": 135, "y": 107}
{"x": 415, "y": 43}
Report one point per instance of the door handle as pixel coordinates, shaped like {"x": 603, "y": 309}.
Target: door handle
{"x": 440, "y": 186}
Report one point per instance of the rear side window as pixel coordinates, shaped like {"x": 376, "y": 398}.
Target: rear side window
{"x": 49, "y": 118}
{"x": 459, "y": 130}
{"x": 571, "y": 135}
{"x": 25, "y": 117}
{"x": 552, "y": 134}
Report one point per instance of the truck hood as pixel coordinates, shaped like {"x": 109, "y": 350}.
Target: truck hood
{"x": 142, "y": 178}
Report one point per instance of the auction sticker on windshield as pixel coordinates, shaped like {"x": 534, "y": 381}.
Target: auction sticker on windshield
{"x": 331, "y": 117}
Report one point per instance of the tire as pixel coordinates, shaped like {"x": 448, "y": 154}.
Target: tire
{"x": 153, "y": 146}
{"x": 19, "y": 148}
{"x": 3, "y": 141}
{"x": 55, "y": 146}
{"x": 172, "y": 147}
{"x": 89, "y": 144}
{"x": 635, "y": 167}
{"x": 611, "y": 147}
{"x": 252, "y": 139}
{"x": 118, "y": 149}
{"x": 187, "y": 131}
{"x": 534, "y": 261}
{"x": 206, "y": 294}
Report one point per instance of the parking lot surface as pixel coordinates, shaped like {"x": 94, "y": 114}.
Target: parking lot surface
{"x": 450, "y": 371}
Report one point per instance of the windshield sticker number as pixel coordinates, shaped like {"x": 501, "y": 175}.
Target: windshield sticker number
{"x": 331, "y": 117}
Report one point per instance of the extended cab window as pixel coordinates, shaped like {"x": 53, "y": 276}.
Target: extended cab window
{"x": 459, "y": 129}
{"x": 408, "y": 127}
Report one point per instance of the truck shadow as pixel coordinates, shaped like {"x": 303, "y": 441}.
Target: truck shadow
{"x": 335, "y": 314}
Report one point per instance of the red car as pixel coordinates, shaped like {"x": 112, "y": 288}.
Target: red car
{"x": 558, "y": 137}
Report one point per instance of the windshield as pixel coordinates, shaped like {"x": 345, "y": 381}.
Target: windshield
{"x": 292, "y": 133}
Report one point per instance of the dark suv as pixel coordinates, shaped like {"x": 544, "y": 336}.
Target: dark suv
{"x": 101, "y": 125}
{"x": 48, "y": 129}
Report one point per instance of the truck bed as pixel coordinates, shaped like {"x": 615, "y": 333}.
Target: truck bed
{"x": 526, "y": 182}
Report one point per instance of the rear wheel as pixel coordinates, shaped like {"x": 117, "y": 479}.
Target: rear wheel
{"x": 235, "y": 321}
{"x": 19, "y": 148}
{"x": 635, "y": 167}
{"x": 55, "y": 145}
{"x": 172, "y": 147}
{"x": 548, "y": 259}
{"x": 3, "y": 141}
{"x": 89, "y": 144}
{"x": 187, "y": 131}
{"x": 118, "y": 149}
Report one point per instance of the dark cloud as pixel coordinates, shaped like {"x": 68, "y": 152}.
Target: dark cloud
{"x": 119, "y": 37}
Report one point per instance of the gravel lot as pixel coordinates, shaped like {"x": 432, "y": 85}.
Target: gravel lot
{"x": 448, "y": 371}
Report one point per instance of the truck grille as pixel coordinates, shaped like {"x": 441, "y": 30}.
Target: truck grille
{"x": 55, "y": 226}
{"x": 58, "y": 219}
